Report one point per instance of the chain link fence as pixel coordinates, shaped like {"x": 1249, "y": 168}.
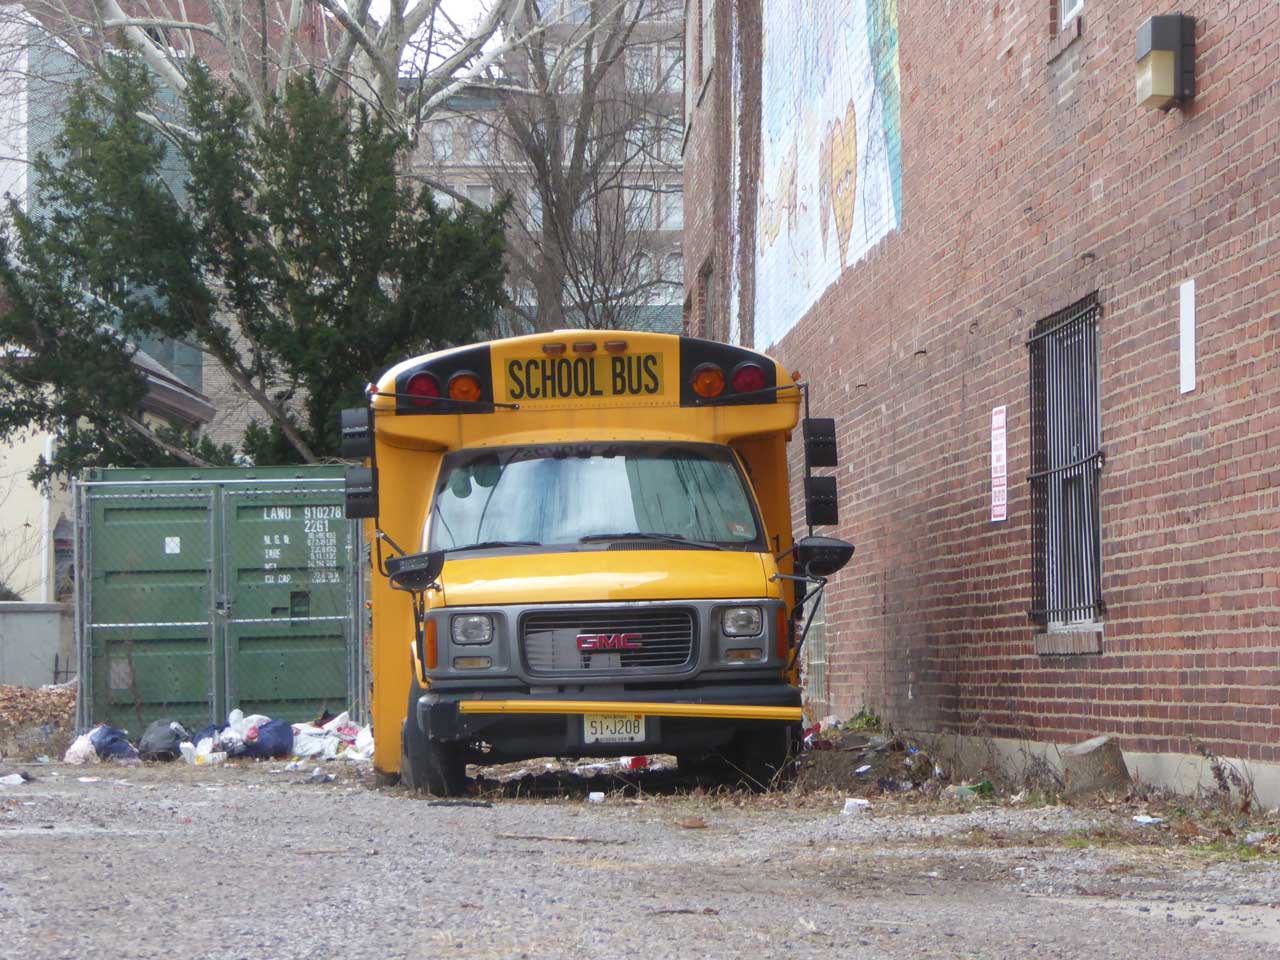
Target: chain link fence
{"x": 194, "y": 597}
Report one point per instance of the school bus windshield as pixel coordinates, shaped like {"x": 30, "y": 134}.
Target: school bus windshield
{"x": 591, "y": 495}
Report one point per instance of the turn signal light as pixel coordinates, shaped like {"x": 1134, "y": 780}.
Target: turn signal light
{"x": 744, "y": 655}
{"x": 472, "y": 663}
{"x": 464, "y": 386}
{"x": 423, "y": 388}
{"x": 708, "y": 381}
{"x": 431, "y": 655}
{"x": 748, "y": 377}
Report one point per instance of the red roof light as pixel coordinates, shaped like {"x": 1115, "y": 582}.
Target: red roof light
{"x": 423, "y": 388}
{"x": 748, "y": 377}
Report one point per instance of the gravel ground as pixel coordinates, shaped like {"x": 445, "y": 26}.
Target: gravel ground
{"x": 254, "y": 862}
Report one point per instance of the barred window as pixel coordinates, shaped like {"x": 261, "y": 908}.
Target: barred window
{"x": 1066, "y": 461}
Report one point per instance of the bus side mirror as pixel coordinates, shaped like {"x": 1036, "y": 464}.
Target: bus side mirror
{"x": 820, "y": 442}
{"x": 361, "y": 492}
{"x": 356, "y": 433}
{"x": 820, "y": 557}
{"x": 415, "y": 572}
{"x": 820, "y": 506}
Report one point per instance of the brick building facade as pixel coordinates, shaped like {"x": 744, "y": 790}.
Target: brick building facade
{"x": 934, "y": 211}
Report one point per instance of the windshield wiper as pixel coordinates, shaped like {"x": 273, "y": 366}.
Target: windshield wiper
{"x": 668, "y": 537}
{"x": 484, "y": 545}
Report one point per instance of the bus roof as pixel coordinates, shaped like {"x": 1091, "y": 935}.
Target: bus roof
{"x": 585, "y": 383}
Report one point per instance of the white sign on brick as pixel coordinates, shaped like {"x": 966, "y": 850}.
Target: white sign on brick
{"x": 999, "y": 467}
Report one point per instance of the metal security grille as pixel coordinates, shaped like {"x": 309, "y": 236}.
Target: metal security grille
{"x": 663, "y": 637}
{"x": 1066, "y": 461}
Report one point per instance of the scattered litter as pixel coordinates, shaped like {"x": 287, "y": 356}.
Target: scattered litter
{"x": 81, "y": 751}
{"x": 693, "y": 823}
{"x": 1255, "y": 837}
{"x": 112, "y": 743}
{"x": 332, "y": 739}
{"x": 459, "y": 803}
{"x": 202, "y": 754}
{"x": 319, "y": 776}
{"x": 1147, "y": 821}
{"x": 90, "y": 779}
{"x": 530, "y": 836}
{"x": 635, "y": 763}
{"x": 705, "y": 911}
{"x": 854, "y": 806}
{"x": 162, "y": 740}
{"x": 269, "y": 740}
{"x": 13, "y": 780}
{"x": 293, "y": 765}
{"x": 865, "y": 768}
{"x": 969, "y": 791}
{"x": 44, "y": 759}
{"x": 595, "y": 796}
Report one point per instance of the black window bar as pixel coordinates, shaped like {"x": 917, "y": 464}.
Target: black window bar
{"x": 1066, "y": 461}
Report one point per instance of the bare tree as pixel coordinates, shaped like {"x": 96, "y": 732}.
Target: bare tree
{"x": 259, "y": 49}
{"x": 258, "y": 45}
{"x": 581, "y": 128}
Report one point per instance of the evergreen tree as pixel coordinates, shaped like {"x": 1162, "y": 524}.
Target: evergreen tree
{"x": 292, "y": 254}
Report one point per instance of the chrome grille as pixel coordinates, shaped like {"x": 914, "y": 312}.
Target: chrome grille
{"x": 664, "y": 636}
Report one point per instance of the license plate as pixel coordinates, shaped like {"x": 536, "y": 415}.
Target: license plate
{"x": 596, "y": 376}
{"x": 612, "y": 728}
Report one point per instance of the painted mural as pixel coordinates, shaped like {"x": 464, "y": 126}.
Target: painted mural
{"x": 830, "y": 152}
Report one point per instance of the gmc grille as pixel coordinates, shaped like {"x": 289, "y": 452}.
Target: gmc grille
{"x": 663, "y": 638}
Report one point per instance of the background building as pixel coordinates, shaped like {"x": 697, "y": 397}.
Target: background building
{"x": 36, "y": 76}
{"x": 580, "y": 125}
{"x": 1045, "y": 318}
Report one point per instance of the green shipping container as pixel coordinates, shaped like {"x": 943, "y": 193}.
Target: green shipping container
{"x": 200, "y": 591}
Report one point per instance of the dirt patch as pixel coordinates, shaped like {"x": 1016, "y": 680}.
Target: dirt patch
{"x": 861, "y": 764}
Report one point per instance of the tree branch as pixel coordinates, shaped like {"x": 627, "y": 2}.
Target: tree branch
{"x": 187, "y": 457}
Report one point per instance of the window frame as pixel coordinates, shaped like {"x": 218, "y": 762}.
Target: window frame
{"x": 1066, "y": 465}
{"x": 442, "y": 133}
{"x": 485, "y": 141}
{"x": 1068, "y": 10}
{"x": 672, "y": 202}
{"x": 473, "y": 188}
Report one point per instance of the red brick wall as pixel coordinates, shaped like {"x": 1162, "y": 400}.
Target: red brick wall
{"x": 1031, "y": 179}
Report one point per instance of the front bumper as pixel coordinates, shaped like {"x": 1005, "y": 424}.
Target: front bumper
{"x": 682, "y": 720}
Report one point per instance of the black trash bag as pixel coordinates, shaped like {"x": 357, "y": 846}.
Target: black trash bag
{"x": 161, "y": 740}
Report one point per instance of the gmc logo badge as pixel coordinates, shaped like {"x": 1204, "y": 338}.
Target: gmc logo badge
{"x": 594, "y": 642}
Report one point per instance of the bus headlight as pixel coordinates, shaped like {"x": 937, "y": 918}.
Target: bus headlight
{"x": 472, "y": 628}
{"x": 741, "y": 621}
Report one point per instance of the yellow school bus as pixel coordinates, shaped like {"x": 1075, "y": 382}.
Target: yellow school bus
{"x": 582, "y": 546}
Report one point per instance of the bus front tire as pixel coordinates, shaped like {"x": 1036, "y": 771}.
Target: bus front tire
{"x": 765, "y": 759}
{"x": 426, "y": 765}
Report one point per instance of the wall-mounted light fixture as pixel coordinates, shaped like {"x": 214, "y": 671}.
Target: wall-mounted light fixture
{"x": 1166, "y": 61}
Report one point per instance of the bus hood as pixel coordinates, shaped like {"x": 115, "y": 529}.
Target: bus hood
{"x": 603, "y": 575}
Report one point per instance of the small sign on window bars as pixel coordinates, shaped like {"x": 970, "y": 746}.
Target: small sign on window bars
{"x": 999, "y": 467}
